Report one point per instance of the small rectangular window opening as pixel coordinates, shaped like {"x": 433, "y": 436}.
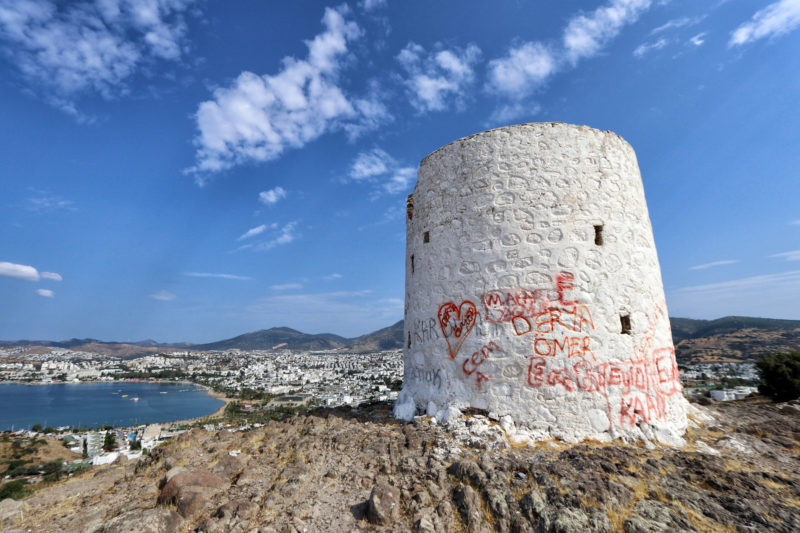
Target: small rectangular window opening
{"x": 412, "y": 263}
{"x": 409, "y": 340}
{"x": 625, "y": 321}
{"x": 598, "y": 235}
{"x": 426, "y": 237}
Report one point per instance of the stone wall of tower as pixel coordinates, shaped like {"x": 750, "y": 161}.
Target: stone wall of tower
{"x": 533, "y": 288}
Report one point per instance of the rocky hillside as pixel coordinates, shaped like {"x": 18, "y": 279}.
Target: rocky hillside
{"x": 360, "y": 470}
{"x": 737, "y": 346}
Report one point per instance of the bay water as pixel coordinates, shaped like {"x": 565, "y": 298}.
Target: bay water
{"x": 105, "y": 403}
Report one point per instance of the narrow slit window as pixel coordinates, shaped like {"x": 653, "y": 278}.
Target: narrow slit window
{"x": 426, "y": 237}
{"x": 598, "y": 235}
{"x": 409, "y": 340}
{"x": 625, "y": 321}
{"x": 412, "y": 263}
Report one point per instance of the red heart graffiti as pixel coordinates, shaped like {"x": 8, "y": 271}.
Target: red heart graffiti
{"x": 456, "y": 323}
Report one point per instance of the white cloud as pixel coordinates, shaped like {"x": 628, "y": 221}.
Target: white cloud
{"x": 644, "y": 48}
{"x": 331, "y": 277}
{"x": 367, "y": 165}
{"x": 794, "y": 255}
{"x": 507, "y": 113}
{"x": 45, "y": 293}
{"x": 585, "y": 35}
{"x": 46, "y": 202}
{"x": 89, "y": 46}
{"x": 400, "y": 180}
{"x": 23, "y": 272}
{"x": 252, "y": 232}
{"x": 52, "y": 276}
{"x": 257, "y": 117}
{"x": 528, "y": 66}
{"x": 523, "y": 70}
{"x": 776, "y": 19}
{"x": 436, "y": 79}
{"x": 284, "y": 235}
{"x": 714, "y": 264}
{"x": 377, "y": 166}
{"x": 162, "y": 295}
{"x": 370, "y": 5}
{"x": 678, "y": 23}
{"x": 272, "y": 196}
{"x": 286, "y": 286}
{"x": 795, "y": 222}
{"x": 698, "y": 39}
{"x": 214, "y": 275}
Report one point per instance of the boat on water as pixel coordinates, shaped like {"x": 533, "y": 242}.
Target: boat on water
{"x": 124, "y": 395}
{"x": 134, "y": 399}
{"x": 163, "y": 392}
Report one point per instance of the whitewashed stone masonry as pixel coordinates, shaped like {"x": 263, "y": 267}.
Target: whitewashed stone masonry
{"x": 533, "y": 289}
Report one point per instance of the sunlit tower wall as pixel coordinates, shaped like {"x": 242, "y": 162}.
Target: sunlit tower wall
{"x": 533, "y": 289}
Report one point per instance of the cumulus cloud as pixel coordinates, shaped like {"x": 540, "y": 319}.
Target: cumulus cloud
{"x": 714, "y": 264}
{"x": 776, "y": 19}
{"x": 644, "y": 48}
{"x": 528, "y": 66}
{"x": 215, "y": 275}
{"x": 586, "y": 34}
{"x": 257, "y": 118}
{"x": 794, "y": 255}
{"x": 436, "y": 79}
{"x": 378, "y": 167}
{"x": 524, "y": 69}
{"x": 26, "y": 272}
{"x": 45, "y": 293}
{"x": 163, "y": 296}
{"x": 90, "y": 45}
{"x": 367, "y": 165}
{"x": 271, "y": 196}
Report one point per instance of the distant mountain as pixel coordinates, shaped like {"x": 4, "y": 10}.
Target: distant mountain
{"x": 732, "y": 338}
{"x": 689, "y": 328}
{"x": 266, "y": 339}
{"x": 384, "y": 339}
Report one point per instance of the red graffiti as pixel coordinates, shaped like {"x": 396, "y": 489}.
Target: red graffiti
{"x": 471, "y": 364}
{"x": 564, "y": 283}
{"x": 456, "y": 323}
{"x": 644, "y": 383}
{"x": 571, "y": 346}
{"x": 508, "y": 304}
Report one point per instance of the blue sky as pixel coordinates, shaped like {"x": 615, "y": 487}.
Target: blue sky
{"x": 192, "y": 170}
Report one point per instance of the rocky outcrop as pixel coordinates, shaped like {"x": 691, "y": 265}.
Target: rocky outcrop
{"x": 361, "y": 470}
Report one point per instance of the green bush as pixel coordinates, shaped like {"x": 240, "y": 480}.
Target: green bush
{"x": 779, "y": 375}
{"x": 16, "y": 489}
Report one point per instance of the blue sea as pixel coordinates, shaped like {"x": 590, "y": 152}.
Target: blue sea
{"x": 97, "y": 404}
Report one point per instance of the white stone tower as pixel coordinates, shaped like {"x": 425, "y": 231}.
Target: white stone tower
{"x": 533, "y": 289}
